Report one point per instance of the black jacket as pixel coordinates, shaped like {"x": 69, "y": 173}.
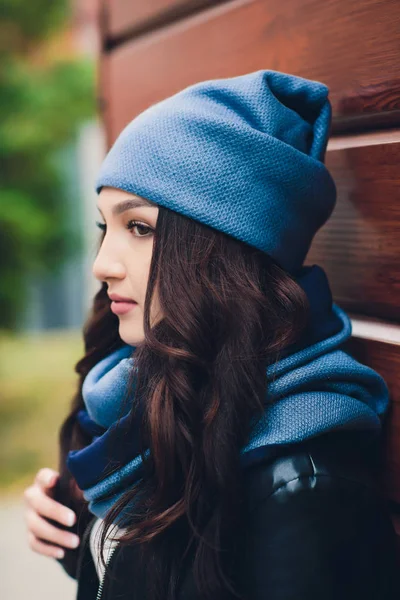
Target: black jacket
{"x": 315, "y": 527}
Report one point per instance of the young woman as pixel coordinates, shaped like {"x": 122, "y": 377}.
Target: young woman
{"x": 222, "y": 443}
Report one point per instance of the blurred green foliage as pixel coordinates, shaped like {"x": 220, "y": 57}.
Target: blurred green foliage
{"x": 37, "y": 381}
{"x": 42, "y": 104}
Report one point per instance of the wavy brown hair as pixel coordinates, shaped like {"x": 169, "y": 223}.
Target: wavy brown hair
{"x": 228, "y": 311}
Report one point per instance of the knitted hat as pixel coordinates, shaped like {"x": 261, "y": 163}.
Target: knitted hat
{"x": 244, "y": 155}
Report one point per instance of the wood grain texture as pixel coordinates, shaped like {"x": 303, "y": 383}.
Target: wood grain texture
{"x": 385, "y": 359}
{"x": 359, "y": 246}
{"x": 126, "y": 19}
{"x": 345, "y": 49}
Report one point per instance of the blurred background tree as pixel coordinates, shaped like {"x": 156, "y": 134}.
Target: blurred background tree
{"x": 45, "y": 93}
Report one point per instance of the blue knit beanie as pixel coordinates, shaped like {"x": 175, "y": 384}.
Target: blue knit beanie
{"x": 244, "y": 155}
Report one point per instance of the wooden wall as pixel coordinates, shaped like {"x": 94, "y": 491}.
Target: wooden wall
{"x": 154, "y": 48}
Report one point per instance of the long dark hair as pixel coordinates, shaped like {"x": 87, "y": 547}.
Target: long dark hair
{"x": 228, "y": 311}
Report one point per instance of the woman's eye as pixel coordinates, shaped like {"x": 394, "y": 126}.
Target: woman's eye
{"x": 145, "y": 229}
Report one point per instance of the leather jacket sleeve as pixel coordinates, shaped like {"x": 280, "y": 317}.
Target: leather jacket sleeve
{"x": 314, "y": 526}
{"x": 320, "y": 536}
{"x": 71, "y": 557}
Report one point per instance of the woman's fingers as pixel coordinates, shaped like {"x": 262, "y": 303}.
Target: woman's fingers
{"x": 46, "y": 506}
{"x": 43, "y": 536}
{"x": 46, "y": 477}
{"x": 40, "y": 528}
{"x": 43, "y": 548}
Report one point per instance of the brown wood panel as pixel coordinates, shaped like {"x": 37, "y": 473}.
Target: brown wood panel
{"x": 385, "y": 359}
{"x": 346, "y": 49}
{"x": 123, "y": 19}
{"x": 359, "y": 246}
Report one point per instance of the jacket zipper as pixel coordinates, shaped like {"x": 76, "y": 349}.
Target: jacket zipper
{"x": 100, "y": 590}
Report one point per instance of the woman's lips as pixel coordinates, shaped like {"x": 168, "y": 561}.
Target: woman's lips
{"x": 120, "y": 308}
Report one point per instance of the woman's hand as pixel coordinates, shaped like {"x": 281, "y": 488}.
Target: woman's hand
{"x": 43, "y": 537}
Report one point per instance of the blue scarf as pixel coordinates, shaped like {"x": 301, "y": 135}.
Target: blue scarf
{"x": 316, "y": 387}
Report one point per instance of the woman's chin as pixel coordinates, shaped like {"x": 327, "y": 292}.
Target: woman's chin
{"x": 129, "y": 335}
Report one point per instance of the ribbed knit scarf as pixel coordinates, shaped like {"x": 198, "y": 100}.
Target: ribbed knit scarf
{"x": 315, "y": 388}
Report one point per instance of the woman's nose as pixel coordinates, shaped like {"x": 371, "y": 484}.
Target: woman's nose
{"x": 107, "y": 266}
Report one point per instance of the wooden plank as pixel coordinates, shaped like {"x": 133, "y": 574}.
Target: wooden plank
{"x": 385, "y": 359}
{"x": 343, "y": 48}
{"x": 359, "y": 246}
{"x": 126, "y": 19}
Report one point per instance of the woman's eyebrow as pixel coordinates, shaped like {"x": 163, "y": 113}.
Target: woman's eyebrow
{"x": 129, "y": 203}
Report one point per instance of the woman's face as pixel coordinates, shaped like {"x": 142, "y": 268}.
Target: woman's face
{"x": 123, "y": 260}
